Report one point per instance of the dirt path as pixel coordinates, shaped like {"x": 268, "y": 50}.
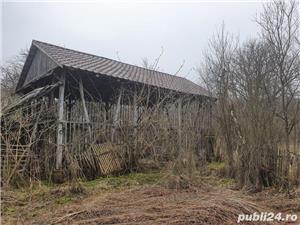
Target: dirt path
{"x": 155, "y": 205}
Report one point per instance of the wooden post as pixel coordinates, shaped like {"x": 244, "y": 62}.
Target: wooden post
{"x": 86, "y": 115}
{"x": 50, "y": 100}
{"x": 106, "y": 119}
{"x": 179, "y": 108}
{"x": 69, "y": 119}
{"x": 135, "y": 119}
{"x": 116, "y": 116}
{"x": 59, "y": 150}
{"x": 135, "y": 112}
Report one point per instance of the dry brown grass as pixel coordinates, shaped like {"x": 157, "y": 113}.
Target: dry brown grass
{"x": 148, "y": 204}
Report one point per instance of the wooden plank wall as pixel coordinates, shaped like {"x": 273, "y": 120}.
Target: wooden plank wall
{"x": 194, "y": 115}
{"x": 41, "y": 64}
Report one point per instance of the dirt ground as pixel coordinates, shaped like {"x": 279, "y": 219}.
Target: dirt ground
{"x": 146, "y": 203}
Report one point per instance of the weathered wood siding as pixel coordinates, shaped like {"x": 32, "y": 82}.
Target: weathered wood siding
{"x": 195, "y": 116}
{"x": 40, "y": 65}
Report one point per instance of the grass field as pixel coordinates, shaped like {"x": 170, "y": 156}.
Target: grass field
{"x": 139, "y": 198}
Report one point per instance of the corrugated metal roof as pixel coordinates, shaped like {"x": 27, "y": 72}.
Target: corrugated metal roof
{"x": 101, "y": 65}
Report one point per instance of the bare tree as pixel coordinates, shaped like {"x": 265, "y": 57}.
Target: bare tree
{"x": 218, "y": 77}
{"x": 257, "y": 84}
{"x": 10, "y": 73}
{"x": 255, "y": 114}
{"x": 152, "y": 66}
{"x": 280, "y": 28}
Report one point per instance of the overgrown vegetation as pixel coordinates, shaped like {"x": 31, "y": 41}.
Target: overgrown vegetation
{"x": 180, "y": 157}
{"x": 257, "y": 84}
{"x": 256, "y": 118}
{"x": 167, "y": 130}
{"x": 127, "y": 198}
{"x": 10, "y": 73}
{"x": 61, "y": 194}
{"x": 126, "y": 180}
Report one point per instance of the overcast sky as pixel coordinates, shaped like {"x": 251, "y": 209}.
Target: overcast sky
{"x": 133, "y": 30}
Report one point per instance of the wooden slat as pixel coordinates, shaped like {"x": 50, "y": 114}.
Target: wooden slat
{"x": 107, "y": 158}
{"x": 15, "y": 156}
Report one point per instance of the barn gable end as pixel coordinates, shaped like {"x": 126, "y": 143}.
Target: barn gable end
{"x": 36, "y": 65}
{"x": 40, "y": 65}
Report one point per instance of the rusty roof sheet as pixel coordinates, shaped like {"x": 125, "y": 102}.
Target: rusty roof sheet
{"x": 101, "y": 65}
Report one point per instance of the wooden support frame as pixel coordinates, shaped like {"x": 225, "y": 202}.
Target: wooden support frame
{"x": 116, "y": 116}
{"x": 60, "y": 131}
{"x": 135, "y": 118}
{"x": 135, "y": 112}
{"x": 86, "y": 115}
{"x": 179, "y": 111}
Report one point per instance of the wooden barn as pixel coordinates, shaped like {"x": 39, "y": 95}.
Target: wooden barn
{"x": 76, "y": 104}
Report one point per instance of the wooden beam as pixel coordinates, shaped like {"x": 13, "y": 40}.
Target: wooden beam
{"x": 135, "y": 118}
{"x": 86, "y": 115}
{"x": 60, "y": 135}
{"x": 135, "y": 110}
{"x": 179, "y": 108}
{"x": 51, "y": 96}
{"x": 116, "y": 116}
